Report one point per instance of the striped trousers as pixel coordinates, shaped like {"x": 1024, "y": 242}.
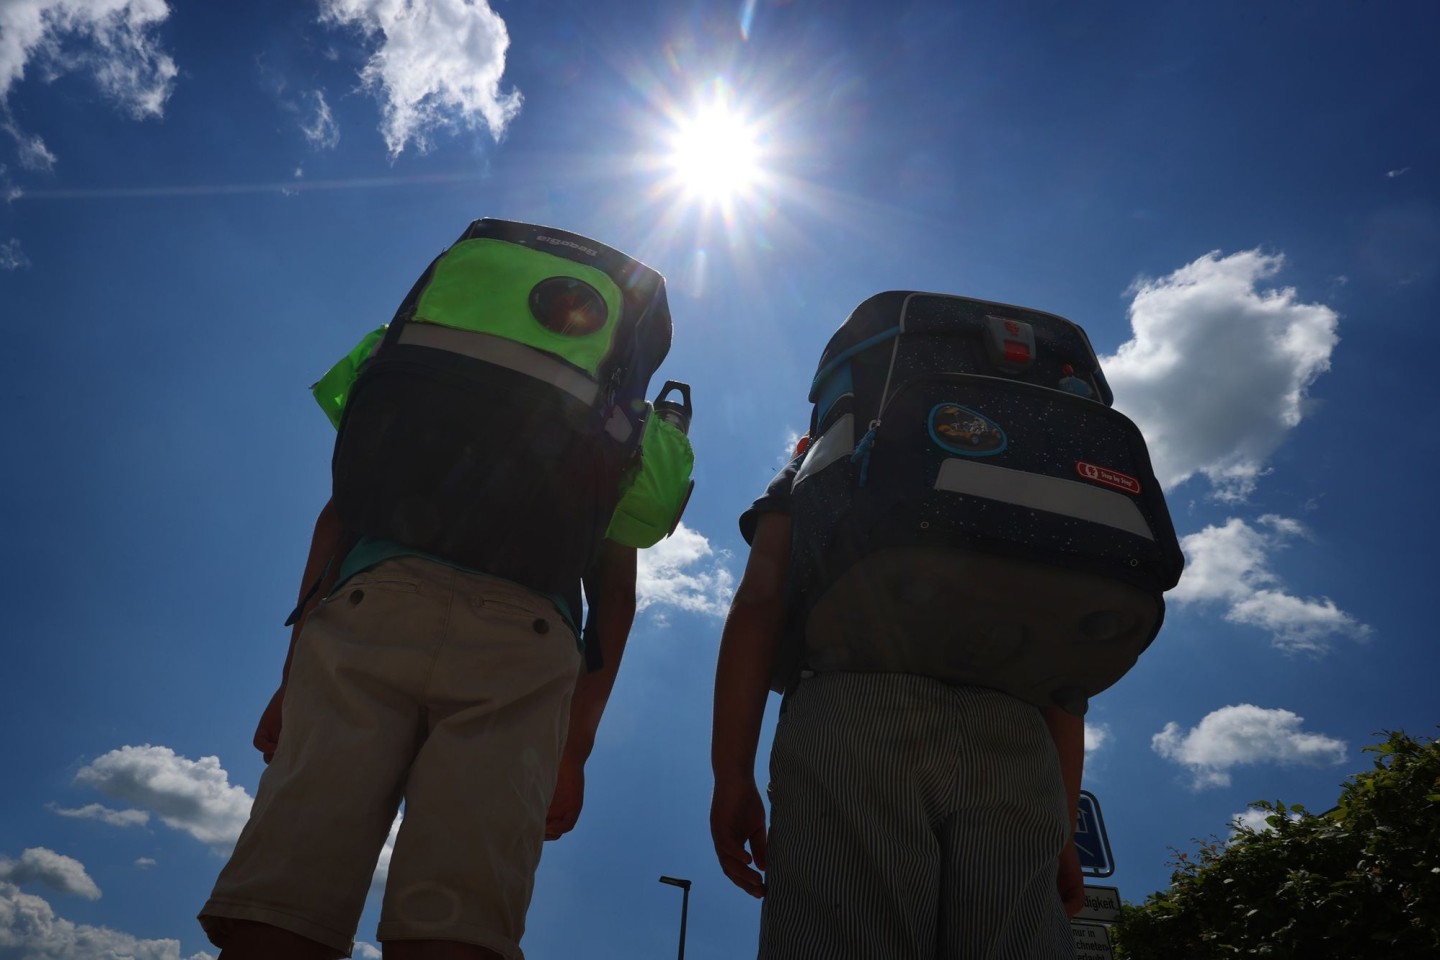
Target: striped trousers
{"x": 912, "y": 820}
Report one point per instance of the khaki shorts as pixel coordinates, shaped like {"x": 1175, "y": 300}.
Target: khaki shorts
{"x": 414, "y": 680}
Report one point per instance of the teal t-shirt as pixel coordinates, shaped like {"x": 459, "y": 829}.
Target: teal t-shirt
{"x": 373, "y": 551}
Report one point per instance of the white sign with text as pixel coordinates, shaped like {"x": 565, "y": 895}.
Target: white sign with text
{"x": 1092, "y": 941}
{"x": 1102, "y": 905}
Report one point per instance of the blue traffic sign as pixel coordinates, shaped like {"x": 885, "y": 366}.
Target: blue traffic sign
{"x": 1090, "y": 838}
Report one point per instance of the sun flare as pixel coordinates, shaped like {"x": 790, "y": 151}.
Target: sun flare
{"x": 715, "y": 154}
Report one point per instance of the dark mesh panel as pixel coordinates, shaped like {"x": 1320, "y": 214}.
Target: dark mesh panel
{"x": 476, "y": 464}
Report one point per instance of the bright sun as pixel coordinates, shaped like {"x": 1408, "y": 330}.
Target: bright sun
{"x": 714, "y": 155}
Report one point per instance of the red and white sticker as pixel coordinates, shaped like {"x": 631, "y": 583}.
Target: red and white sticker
{"x": 1111, "y": 478}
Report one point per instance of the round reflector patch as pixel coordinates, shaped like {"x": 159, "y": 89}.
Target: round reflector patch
{"x": 961, "y": 430}
{"x": 567, "y": 306}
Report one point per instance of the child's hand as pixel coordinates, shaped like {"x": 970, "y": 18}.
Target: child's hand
{"x": 569, "y": 798}
{"x": 267, "y": 733}
{"x": 737, "y": 818}
{"x": 1071, "y": 882}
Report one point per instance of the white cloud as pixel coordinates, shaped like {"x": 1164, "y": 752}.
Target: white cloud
{"x": 438, "y": 65}
{"x": 382, "y": 866}
{"x": 1217, "y": 370}
{"x": 1392, "y": 174}
{"x": 29, "y": 929}
{"x": 12, "y": 193}
{"x": 1244, "y": 734}
{"x": 194, "y": 796}
{"x": 366, "y": 951}
{"x": 1255, "y": 819}
{"x": 30, "y": 149}
{"x": 1096, "y": 736}
{"x": 685, "y": 572}
{"x": 112, "y": 40}
{"x": 144, "y": 863}
{"x": 11, "y": 256}
{"x": 789, "y": 450}
{"x": 190, "y": 795}
{"x": 98, "y": 811}
{"x": 319, "y": 127}
{"x": 54, "y": 870}
{"x": 1230, "y": 565}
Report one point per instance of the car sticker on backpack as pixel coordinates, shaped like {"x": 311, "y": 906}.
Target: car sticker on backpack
{"x": 961, "y": 430}
{"x": 1111, "y": 478}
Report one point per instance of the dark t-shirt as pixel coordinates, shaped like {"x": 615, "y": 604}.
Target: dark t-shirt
{"x": 775, "y": 499}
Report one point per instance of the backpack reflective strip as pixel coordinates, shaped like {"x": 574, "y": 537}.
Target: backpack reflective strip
{"x": 503, "y": 353}
{"x": 837, "y": 442}
{"x": 1069, "y": 498}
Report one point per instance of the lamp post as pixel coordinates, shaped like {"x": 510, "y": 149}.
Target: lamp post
{"x": 684, "y": 907}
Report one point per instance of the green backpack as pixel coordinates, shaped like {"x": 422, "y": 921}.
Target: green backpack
{"x": 499, "y": 420}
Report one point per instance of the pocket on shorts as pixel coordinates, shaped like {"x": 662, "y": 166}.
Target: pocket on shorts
{"x": 378, "y": 580}
{"x": 528, "y": 608}
{"x": 528, "y": 614}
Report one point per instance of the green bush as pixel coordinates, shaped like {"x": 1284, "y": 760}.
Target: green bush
{"x": 1360, "y": 881}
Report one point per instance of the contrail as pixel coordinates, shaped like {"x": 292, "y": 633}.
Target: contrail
{"x": 224, "y": 189}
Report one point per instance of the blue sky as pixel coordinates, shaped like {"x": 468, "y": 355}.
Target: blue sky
{"x": 205, "y": 204}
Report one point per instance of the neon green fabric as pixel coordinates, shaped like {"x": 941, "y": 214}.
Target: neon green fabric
{"x": 331, "y": 390}
{"x": 651, "y": 506}
{"x": 484, "y": 285}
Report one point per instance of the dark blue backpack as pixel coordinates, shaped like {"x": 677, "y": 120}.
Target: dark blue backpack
{"x": 971, "y": 508}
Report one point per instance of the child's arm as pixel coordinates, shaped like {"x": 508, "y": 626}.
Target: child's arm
{"x": 742, "y": 684}
{"x": 1068, "y": 732}
{"x": 611, "y": 591}
{"x": 325, "y": 543}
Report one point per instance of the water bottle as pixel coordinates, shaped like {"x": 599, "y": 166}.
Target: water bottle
{"x": 675, "y": 413}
